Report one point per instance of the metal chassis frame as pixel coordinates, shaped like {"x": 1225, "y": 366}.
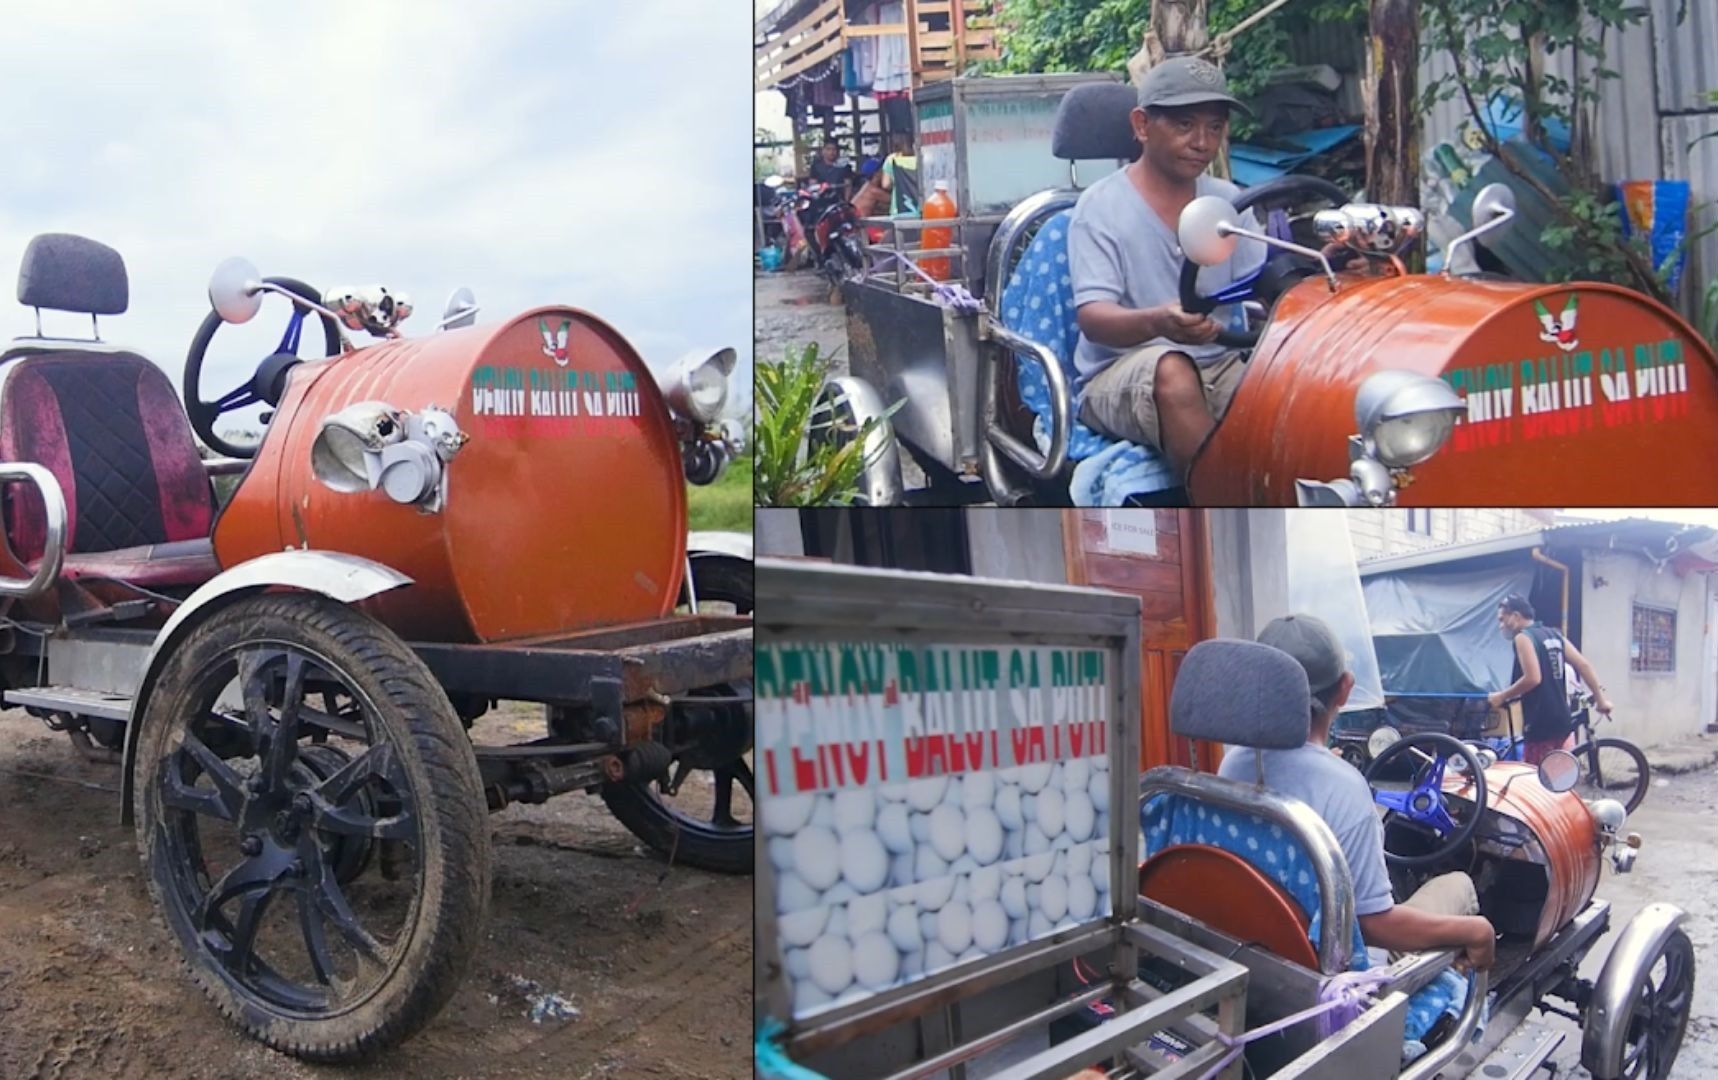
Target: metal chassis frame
{"x": 811, "y": 601}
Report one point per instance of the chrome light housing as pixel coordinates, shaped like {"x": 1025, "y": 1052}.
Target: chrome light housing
{"x": 697, "y": 386}
{"x": 1381, "y": 739}
{"x": 373, "y": 446}
{"x": 1406, "y": 418}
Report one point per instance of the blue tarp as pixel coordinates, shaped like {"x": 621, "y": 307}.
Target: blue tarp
{"x": 1250, "y": 165}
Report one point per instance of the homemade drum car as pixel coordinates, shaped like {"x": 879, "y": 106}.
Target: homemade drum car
{"x": 1472, "y": 389}
{"x": 428, "y": 527}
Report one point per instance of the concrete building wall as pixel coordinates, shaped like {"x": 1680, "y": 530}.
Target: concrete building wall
{"x": 1651, "y": 708}
{"x": 777, "y": 533}
{"x": 1019, "y": 544}
{"x": 1377, "y": 533}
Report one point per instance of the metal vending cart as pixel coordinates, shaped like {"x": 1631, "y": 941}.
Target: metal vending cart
{"x": 938, "y": 760}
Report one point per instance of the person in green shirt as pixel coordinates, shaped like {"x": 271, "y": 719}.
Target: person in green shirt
{"x": 901, "y": 176}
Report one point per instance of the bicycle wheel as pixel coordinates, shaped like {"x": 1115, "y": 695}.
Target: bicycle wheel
{"x": 1617, "y": 769}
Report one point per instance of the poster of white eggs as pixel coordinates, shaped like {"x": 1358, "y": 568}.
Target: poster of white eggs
{"x": 927, "y": 805}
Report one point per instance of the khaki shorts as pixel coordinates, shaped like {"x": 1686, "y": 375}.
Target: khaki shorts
{"x": 1118, "y": 400}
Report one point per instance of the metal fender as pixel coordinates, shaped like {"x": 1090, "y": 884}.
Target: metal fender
{"x": 346, "y": 578}
{"x": 1608, "y": 1012}
{"x": 733, "y": 544}
{"x": 880, "y": 482}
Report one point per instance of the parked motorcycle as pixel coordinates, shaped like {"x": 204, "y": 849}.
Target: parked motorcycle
{"x": 832, "y": 229}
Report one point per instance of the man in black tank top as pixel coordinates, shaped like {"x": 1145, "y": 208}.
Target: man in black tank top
{"x": 1540, "y": 656}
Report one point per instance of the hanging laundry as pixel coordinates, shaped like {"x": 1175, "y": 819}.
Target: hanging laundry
{"x": 860, "y": 68}
{"x": 894, "y": 72}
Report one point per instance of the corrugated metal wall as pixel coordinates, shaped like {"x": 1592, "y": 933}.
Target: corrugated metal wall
{"x": 1687, "y": 54}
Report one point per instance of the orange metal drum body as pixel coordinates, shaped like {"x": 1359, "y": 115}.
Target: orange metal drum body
{"x": 1573, "y": 391}
{"x": 1568, "y": 838}
{"x": 565, "y": 510}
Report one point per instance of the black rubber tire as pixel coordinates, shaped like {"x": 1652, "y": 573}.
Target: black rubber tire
{"x": 1669, "y": 1021}
{"x": 1643, "y": 770}
{"x": 637, "y": 806}
{"x": 437, "y": 758}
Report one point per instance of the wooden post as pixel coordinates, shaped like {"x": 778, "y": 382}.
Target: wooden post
{"x": 1180, "y": 25}
{"x": 1390, "y": 90}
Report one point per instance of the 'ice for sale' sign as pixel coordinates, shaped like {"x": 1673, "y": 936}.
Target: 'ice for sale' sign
{"x": 841, "y": 715}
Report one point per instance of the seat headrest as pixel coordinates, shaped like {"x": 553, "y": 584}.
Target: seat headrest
{"x": 70, "y": 273}
{"x": 1092, "y": 123}
{"x": 1241, "y": 693}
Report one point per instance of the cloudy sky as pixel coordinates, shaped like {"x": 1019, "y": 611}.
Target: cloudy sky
{"x": 564, "y": 151}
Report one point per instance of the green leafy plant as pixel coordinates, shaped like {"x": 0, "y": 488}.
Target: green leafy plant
{"x": 807, "y": 454}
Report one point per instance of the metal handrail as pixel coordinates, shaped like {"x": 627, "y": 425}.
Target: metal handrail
{"x": 54, "y": 537}
{"x": 1335, "y": 887}
{"x": 1043, "y": 466}
{"x": 1025, "y": 215}
{"x": 1436, "y": 1057}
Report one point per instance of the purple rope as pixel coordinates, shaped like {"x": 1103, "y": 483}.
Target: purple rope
{"x": 1340, "y": 1000}
{"x": 953, "y": 296}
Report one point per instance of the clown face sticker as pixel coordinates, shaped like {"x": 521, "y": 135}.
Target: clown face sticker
{"x": 555, "y": 344}
{"x": 1559, "y": 330}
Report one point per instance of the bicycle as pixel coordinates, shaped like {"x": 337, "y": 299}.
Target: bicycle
{"x": 1608, "y": 765}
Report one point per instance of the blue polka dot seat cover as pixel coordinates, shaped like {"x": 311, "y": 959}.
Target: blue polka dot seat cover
{"x": 1038, "y": 303}
{"x": 1167, "y": 820}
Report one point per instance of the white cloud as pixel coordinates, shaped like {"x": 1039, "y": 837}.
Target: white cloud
{"x": 541, "y": 152}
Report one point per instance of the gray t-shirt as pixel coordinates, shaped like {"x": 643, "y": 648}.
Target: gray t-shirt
{"x": 1338, "y": 794}
{"x": 1120, "y": 250}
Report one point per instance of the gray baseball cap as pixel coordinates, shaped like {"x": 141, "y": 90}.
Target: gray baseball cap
{"x": 1185, "y": 80}
{"x": 1310, "y": 641}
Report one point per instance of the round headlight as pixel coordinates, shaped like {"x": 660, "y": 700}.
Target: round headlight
{"x": 706, "y": 391}
{"x": 1609, "y": 813}
{"x": 1406, "y": 417}
{"x": 1382, "y": 739}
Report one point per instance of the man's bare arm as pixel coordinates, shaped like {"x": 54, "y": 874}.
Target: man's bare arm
{"x": 1529, "y": 673}
{"x": 1407, "y": 929}
{"x": 1585, "y": 668}
{"x": 1109, "y": 323}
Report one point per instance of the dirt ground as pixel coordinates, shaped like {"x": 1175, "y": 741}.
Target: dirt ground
{"x": 656, "y": 959}
{"x": 792, "y": 310}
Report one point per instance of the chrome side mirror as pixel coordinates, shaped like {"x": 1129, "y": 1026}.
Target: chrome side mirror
{"x": 1209, "y": 229}
{"x": 1559, "y": 771}
{"x": 461, "y": 310}
{"x": 235, "y": 290}
{"x": 1493, "y": 209}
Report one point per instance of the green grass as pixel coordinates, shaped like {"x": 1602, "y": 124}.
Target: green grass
{"x": 726, "y": 504}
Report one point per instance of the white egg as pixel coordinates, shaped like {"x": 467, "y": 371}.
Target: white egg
{"x": 922, "y": 795}
{"x": 1038, "y": 926}
{"x": 839, "y": 893}
{"x": 799, "y": 963}
{"x": 903, "y": 927}
{"x": 934, "y": 893}
{"x": 1062, "y": 842}
{"x": 1014, "y": 846}
{"x": 978, "y": 789}
{"x": 983, "y": 835}
{"x": 1056, "y": 776}
{"x": 1037, "y": 867}
{"x": 817, "y": 856}
{"x": 1082, "y": 897}
{"x": 1008, "y": 807}
{"x": 824, "y": 813}
{"x": 1075, "y": 773}
{"x": 875, "y": 961}
{"x": 864, "y": 860}
{"x": 1080, "y": 817}
{"x": 1053, "y": 899}
{"x": 913, "y": 964}
{"x": 1101, "y": 874}
{"x": 792, "y": 893}
{"x": 807, "y": 997}
{"x": 1102, "y": 826}
{"x": 986, "y": 883}
{"x": 1080, "y": 860}
{"x": 1010, "y": 775}
{"x": 954, "y": 928}
{"x": 959, "y": 894}
{"x": 781, "y": 853}
{"x": 1036, "y": 841}
{"x": 966, "y": 864}
{"x": 951, "y": 794}
{"x": 1100, "y": 764}
{"x": 866, "y": 914}
{"x": 1029, "y": 808}
{"x": 1017, "y": 931}
{"x": 989, "y": 925}
{"x": 892, "y": 793}
{"x": 927, "y": 864}
{"x": 1034, "y": 777}
{"x": 856, "y": 809}
{"x": 948, "y": 831}
{"x": 1050, "y": 807}
{"x": 928, "y": 925}
{"x": 801, "y": 928}
{"x": 832, "y": 964}
{"x": 1059, "y": 865}
{"x": 1014, "y": 897}
{"x": 919, "y": 827}
{"x": 837, "y": 922}
{"x": 936, "y": 957}
{"x": 901, "y": 870}
{"x": 974, "y": 953}
{"x": 1098, "y": 790}
{"x": 893, "y": 828}
{"x": 784, "y": 815}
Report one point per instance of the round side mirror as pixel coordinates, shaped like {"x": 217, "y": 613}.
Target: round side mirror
{"x": 1560, "y": 771}
{"x": 235, "y": 290}
{"x": 1382, "y": 739}
{"x": 461, "y": 309}
{"x": 1492, "y": 202}
{"x": 1204, "y": 230}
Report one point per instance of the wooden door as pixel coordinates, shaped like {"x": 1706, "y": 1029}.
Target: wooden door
{"x": 1162, "y": 557}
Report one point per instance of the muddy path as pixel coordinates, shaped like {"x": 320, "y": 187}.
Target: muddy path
{"x": 656, "y": 959}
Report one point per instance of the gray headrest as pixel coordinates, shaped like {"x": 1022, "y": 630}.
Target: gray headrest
{"x": 69, "y": 273}
{"x": 1241, "y": 693}
{"x": 1092, "y": 123}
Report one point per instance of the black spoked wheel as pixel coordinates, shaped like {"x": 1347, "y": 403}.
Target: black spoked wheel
{"x": 1659, "y": 1009}
{"x": 311, "y": 824}
{"x": 701, "y": 812}
{"x": 1617, "y": 769}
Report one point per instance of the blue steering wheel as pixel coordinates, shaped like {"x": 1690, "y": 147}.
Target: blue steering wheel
{"x": 1424, "y": 805}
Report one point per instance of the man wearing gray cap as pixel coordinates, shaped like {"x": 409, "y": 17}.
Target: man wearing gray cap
{"x": 1444, "y": 912}
{"x": 1150, "y": 372}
